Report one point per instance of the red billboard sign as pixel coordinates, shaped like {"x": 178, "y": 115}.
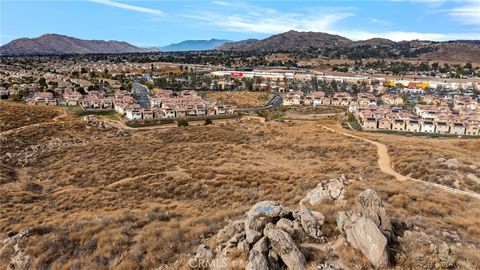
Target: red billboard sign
{"x": 236, "y": 74}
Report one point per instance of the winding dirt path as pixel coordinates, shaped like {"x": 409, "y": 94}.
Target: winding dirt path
{"x": 384, "y": 163}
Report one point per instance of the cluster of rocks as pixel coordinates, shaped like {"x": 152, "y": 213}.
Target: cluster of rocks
{"x": 368, "y": 228}
{"x": 29, "y": 154}
{"x": 268, "y": 237}
{"x": 91, "y": 121}
{"x": 272, "y": 236}
{"x": 332, "y": 190}
{"x": 469, "y": 171}
{"x": 13, "y": 248}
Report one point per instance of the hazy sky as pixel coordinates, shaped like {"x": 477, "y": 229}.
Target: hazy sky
{"x": 155, "y": 23}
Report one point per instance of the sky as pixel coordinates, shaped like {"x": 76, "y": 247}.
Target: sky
{"x": 157, "y": 23}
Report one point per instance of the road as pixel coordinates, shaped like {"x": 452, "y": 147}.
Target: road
{"x": 141, "y": 94}
{"x": 384, "y": 163}
{"x": 276, "y": 101}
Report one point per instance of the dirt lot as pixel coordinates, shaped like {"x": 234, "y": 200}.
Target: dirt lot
{"x": 240, "y": 99}
{"x": 99, "y": 198}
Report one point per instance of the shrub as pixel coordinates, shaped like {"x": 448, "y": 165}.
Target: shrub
{"x": 182, "y": 123}
{"x": 208, "y": 121}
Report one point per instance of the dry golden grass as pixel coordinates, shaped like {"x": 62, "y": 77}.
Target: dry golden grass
{"x": 240, "y": 99}
{"x": 98, "y": 200}
{"x": 418, "y": 157}
{"x": 15, "y": 115}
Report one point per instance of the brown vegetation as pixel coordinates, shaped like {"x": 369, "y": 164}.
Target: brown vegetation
{"x": 97, "y": 198}
{"x": 240, "y": 99}
{"x": 15, "y": 115}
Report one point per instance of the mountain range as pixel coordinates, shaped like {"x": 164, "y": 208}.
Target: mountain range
{"x": 335, "y": 46}
{"x": 194, "y": 45}
{"x": 60, "y": 44}
{"x": 313, "y": 43}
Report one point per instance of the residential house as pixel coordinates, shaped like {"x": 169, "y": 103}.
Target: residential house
{"x": 133, "y": 112}
{"x": 398, "y": 124}
{"x": 147, "y": 114}
{"x": 370, "y": 123}
{"x": 457, "y": 128}
{"x": 413, "y": 125}
{"x": 385, "y": 124}
{"x": 442, "y": 128}
{"x": 427, "y": 126}
{"x": 473, "y": 129}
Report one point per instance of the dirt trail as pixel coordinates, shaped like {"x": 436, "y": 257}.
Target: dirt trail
{"x": 384, "y": 163}
{"x": 130, "y": 179}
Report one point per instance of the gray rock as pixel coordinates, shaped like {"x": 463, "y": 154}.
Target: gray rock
{"x": 452, "y": 163}
{"x": 283, "y": 244}
{"x": 257, "y": 261}
{"x": 261, "y": 245}
{"x": 317, "y": 196}
{"x": 310, "y": 224}
{"x": 203, "y": 254}
{"x": 259, "y": 215}
{"x": 286, "y": 225}
{"x": 369, "y": 205}
{"x": 371, "y": 242}
{"x": 273, "y": 259}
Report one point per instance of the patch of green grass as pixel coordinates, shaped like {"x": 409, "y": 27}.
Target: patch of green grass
{"x": 272, "y": 114}
{"x": 147, "y": 123}
{"x": 353, "y": 122}
{"x": 78, "y": 111}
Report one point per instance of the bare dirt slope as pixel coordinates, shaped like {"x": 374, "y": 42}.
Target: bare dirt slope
{"x": 95, "y": 197}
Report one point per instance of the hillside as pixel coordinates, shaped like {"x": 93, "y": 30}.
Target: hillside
{"x": 60, "y": 44}
{"x": 82, "y": 194}
{"x": 194, "y": 45}
{"x": 291, "y": 40}
{"x": 334, "y": 47}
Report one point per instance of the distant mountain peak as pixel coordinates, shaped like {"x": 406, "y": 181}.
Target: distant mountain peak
{"x": 194, "y": 45}
{"x": 52, "y": 43}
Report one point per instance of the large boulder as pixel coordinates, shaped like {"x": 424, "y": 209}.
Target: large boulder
{"x": 369, "y": 205}
{"x": 283, "y": 245}
{"x": 371, "y": 242}
{"x": 257, "y": 261}
{"x": 261, "y": 214}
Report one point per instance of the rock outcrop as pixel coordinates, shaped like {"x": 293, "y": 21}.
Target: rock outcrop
{"x": 14, "y": 248}
{"x": 273, "y": 236}
{"x": 332, "y": 190}
{"x": 367, "y": 228}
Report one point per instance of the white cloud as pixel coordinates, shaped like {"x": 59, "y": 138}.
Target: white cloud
{"x": 249, "y": 18}
{"x": 467, "y": 14}
{"x": 128, "y": 7}
{"x": 380, "y": 21}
